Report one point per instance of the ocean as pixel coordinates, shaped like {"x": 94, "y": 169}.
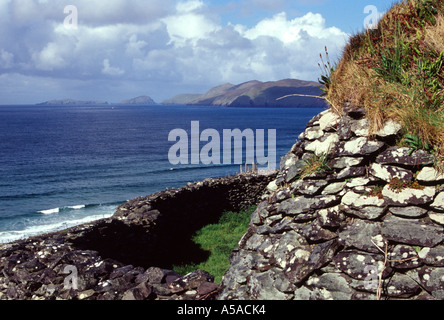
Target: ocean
{"x": 62, "y": 166}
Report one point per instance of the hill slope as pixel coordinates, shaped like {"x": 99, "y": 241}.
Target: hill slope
{"x": 395, "y": 71}
{"x": 259, "y": 94}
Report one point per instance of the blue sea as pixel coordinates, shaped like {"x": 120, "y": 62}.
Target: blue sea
{"x": 62, "y": 166}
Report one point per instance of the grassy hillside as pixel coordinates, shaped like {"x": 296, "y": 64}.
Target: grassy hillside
{"x": 396, "y": 72}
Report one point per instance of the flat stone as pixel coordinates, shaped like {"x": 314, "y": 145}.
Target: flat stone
{"x": 401, "y": 285}
{"x": 408, "y": 196}
{"x": 432, "y": 279}
{"x": 360, "y": 127}
{"x": 330, "y": 217}
{"x": 408, "y": 212}
{"x": 325, "y": 145}
{"x": 333, "y": 188}
{"x": 351, "y": 172}
{"x": 412, "y": 231}
{"x": 332, "y": 286}
{"x": 402, "y": 156}
{"x": 436, "y": 217}
{"x": 313, "y": 133}
{"x": 390, "y": 128}
{"x": 433, "y": 256}
{"x": 261, "y": 287}
{"x": 328, "y": 120}
{"x": 438, "y": 204}
{"x": 302, "y": 204}
{"x": 308, "y": 187}
{"x": 294, "y": 170}
{"x": 360, "y": 234}
{"x": 357, "y": 264}
{"x": 404, "y": 257}
{"x": 359, "y": 146}
{"x": 387, "y": 173}
{"x": 430, "y": 174}
{"x": 344, "y": 162}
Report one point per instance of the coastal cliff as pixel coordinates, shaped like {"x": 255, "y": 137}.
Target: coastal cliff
{"x": 356, "y": 210}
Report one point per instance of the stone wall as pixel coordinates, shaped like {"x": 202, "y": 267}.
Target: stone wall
{"x": 130, "y": 255}
{"x": 368, "y": 224}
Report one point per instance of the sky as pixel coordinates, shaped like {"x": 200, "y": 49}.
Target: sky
{"x": 119, "y": 49}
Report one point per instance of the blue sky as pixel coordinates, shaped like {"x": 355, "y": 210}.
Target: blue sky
{"x": 118, "y": 49}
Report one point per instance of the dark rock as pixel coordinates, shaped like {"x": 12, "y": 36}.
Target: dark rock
{"x": 190, "y": 281}
{"x": 404, "y": 257}
{"x": 387, "y": 173}
{"x": 412, "y": 231}
{"x": 361, "y": 234}
{"x": 358, "y": 264}
{"x": 432, "y": 280}
{"x": 408, "y": 196}
{"x": 403, "y": 156}
{"x": 433, "y": 256}
{"x": 361, "y": 146}
{"x": 408, "y": 212}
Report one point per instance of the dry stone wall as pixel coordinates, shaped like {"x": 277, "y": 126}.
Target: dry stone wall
{"x": 130, "y": 255}
{"x": 367, "y": 224}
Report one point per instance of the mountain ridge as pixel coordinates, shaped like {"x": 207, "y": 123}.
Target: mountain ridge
{"x": 299, "y": 93}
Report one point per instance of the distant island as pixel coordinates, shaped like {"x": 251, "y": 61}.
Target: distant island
{"x": 287, "y": 93}
{"x": 297, "y": 93}
{"x": 71, "y": 102}
{"x": 142, "y": 100}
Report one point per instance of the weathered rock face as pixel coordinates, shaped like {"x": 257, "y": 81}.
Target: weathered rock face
{"x": 130, "y": 255}
{"x": 375, "y": 211}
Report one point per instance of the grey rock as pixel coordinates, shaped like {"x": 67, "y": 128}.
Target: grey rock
{"x": 360, "y": 146}
{"x": 358, "y": 264}
{"x": 308, "y": 187}
{"x": 190, "y": 281}
{"x": 403, "y": 156}
{"x": 438, "y": 204}
{"x": 334, "y": 286}
{"x": 430, "y": 174}
{"x": 360, "y": 127}
{"x": 401, "y": 285}
{"x": 323, "y": 146}
{"x": 345, "y": 162}
{"x": 412, "y": 231}
{"x": 360, "y": 234}
{"x": 404, "y": 257}
{"x": 432, "y": 280}
{"x": 408, "y": 212}
{"x": 262, "y": 287}
{"x": 408, "y": 196}
{"x": 351, "y": 172}
{"x": 387, "y": 173}
{"x": 390, "y": 128}
{"x": 433, "y": 256}
{"x": 330, "y": 217}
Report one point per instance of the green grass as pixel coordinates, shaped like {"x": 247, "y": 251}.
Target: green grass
{"x": 219, "y": 240}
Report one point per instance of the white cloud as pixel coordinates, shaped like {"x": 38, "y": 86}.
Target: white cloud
{"x": 153, "y": 43}
{"x": 112, "y": 71}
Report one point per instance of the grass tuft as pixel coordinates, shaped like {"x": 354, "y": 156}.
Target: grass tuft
{"x": 220, "y": 240}
{"x": 396, "y": 72}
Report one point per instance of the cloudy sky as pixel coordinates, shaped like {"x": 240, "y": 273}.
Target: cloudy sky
{"x": 118, "y": 49}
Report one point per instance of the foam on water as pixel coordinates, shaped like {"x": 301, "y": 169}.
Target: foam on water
{"x": 84, "y": 214}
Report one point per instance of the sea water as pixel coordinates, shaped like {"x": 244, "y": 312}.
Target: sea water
{"x": 62, "y": 166}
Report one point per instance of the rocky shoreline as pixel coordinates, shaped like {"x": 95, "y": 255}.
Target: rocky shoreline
{"x": 127, "y": 256}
